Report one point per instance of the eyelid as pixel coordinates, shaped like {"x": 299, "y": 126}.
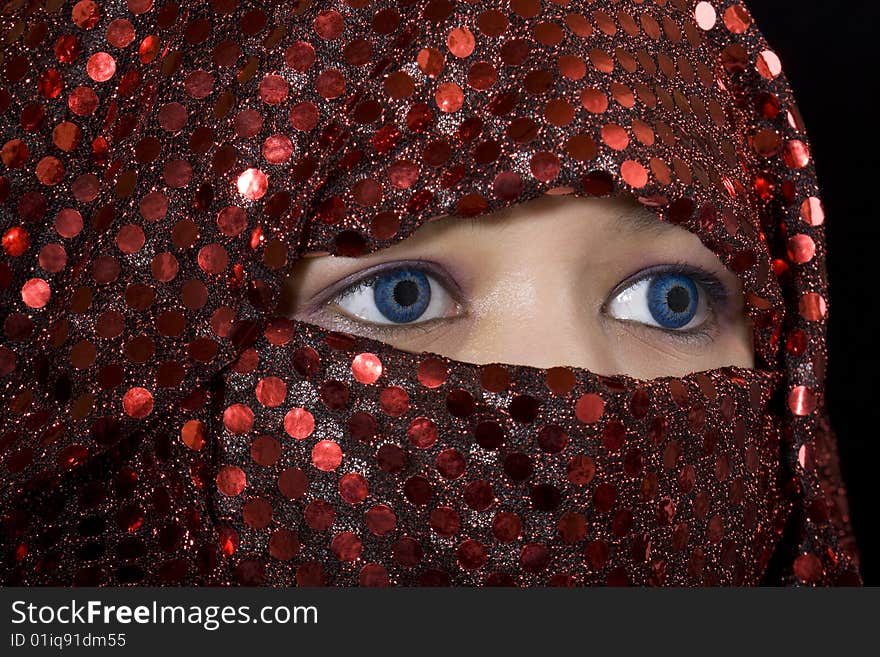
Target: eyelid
{"x": 702, "y": 335}
{"x": 719, "y": 300}
{"x": 425, "y": 327}
{"x": 335, "y": 290}
{"x": 718, "y": 292}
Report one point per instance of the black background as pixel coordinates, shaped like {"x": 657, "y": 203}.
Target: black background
{"x": 828, "y": 52}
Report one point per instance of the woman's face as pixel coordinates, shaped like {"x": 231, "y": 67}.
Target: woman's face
{"x": 601, "y": 284}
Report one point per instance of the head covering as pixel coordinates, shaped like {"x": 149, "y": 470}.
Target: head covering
{"x": 163, "y": 167}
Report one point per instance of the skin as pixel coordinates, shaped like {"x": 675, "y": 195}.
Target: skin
{"x": 534, "y": 286}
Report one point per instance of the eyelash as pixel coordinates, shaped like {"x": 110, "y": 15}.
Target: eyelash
{"x": 717, "y": 292}
{"x": 718, "y": 299}
{"x": 353, "y": 283}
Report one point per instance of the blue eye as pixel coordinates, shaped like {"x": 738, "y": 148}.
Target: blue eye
{"x": 669, "y": 300}
{"x": 403, "y": 295}
{"x": 672, "y": 300}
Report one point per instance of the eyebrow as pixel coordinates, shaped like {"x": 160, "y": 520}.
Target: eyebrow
{"x": 633, "y": 220}
{"x": 637, "y": 220}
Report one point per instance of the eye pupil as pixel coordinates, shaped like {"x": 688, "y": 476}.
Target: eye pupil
{"x": 406, "y": 293}
{"x": 678, "y": 299}
{"x": 672, "y": 299}
{"x": 402, "y": 295}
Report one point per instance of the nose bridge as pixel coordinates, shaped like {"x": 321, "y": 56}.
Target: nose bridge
{"x": 534, "y": 316}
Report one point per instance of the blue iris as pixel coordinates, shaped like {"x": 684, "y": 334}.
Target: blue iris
{"x": 402, "y": 295}
{"x": 672, "y": 299}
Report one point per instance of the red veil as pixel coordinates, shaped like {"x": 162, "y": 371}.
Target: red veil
{"x": 164, "y": 163}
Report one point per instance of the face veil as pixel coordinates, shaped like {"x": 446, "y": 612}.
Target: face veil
{"x": 163, "y": 167}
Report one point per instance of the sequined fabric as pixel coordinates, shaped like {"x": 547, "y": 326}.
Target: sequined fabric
{"x": 163, "y": 165}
